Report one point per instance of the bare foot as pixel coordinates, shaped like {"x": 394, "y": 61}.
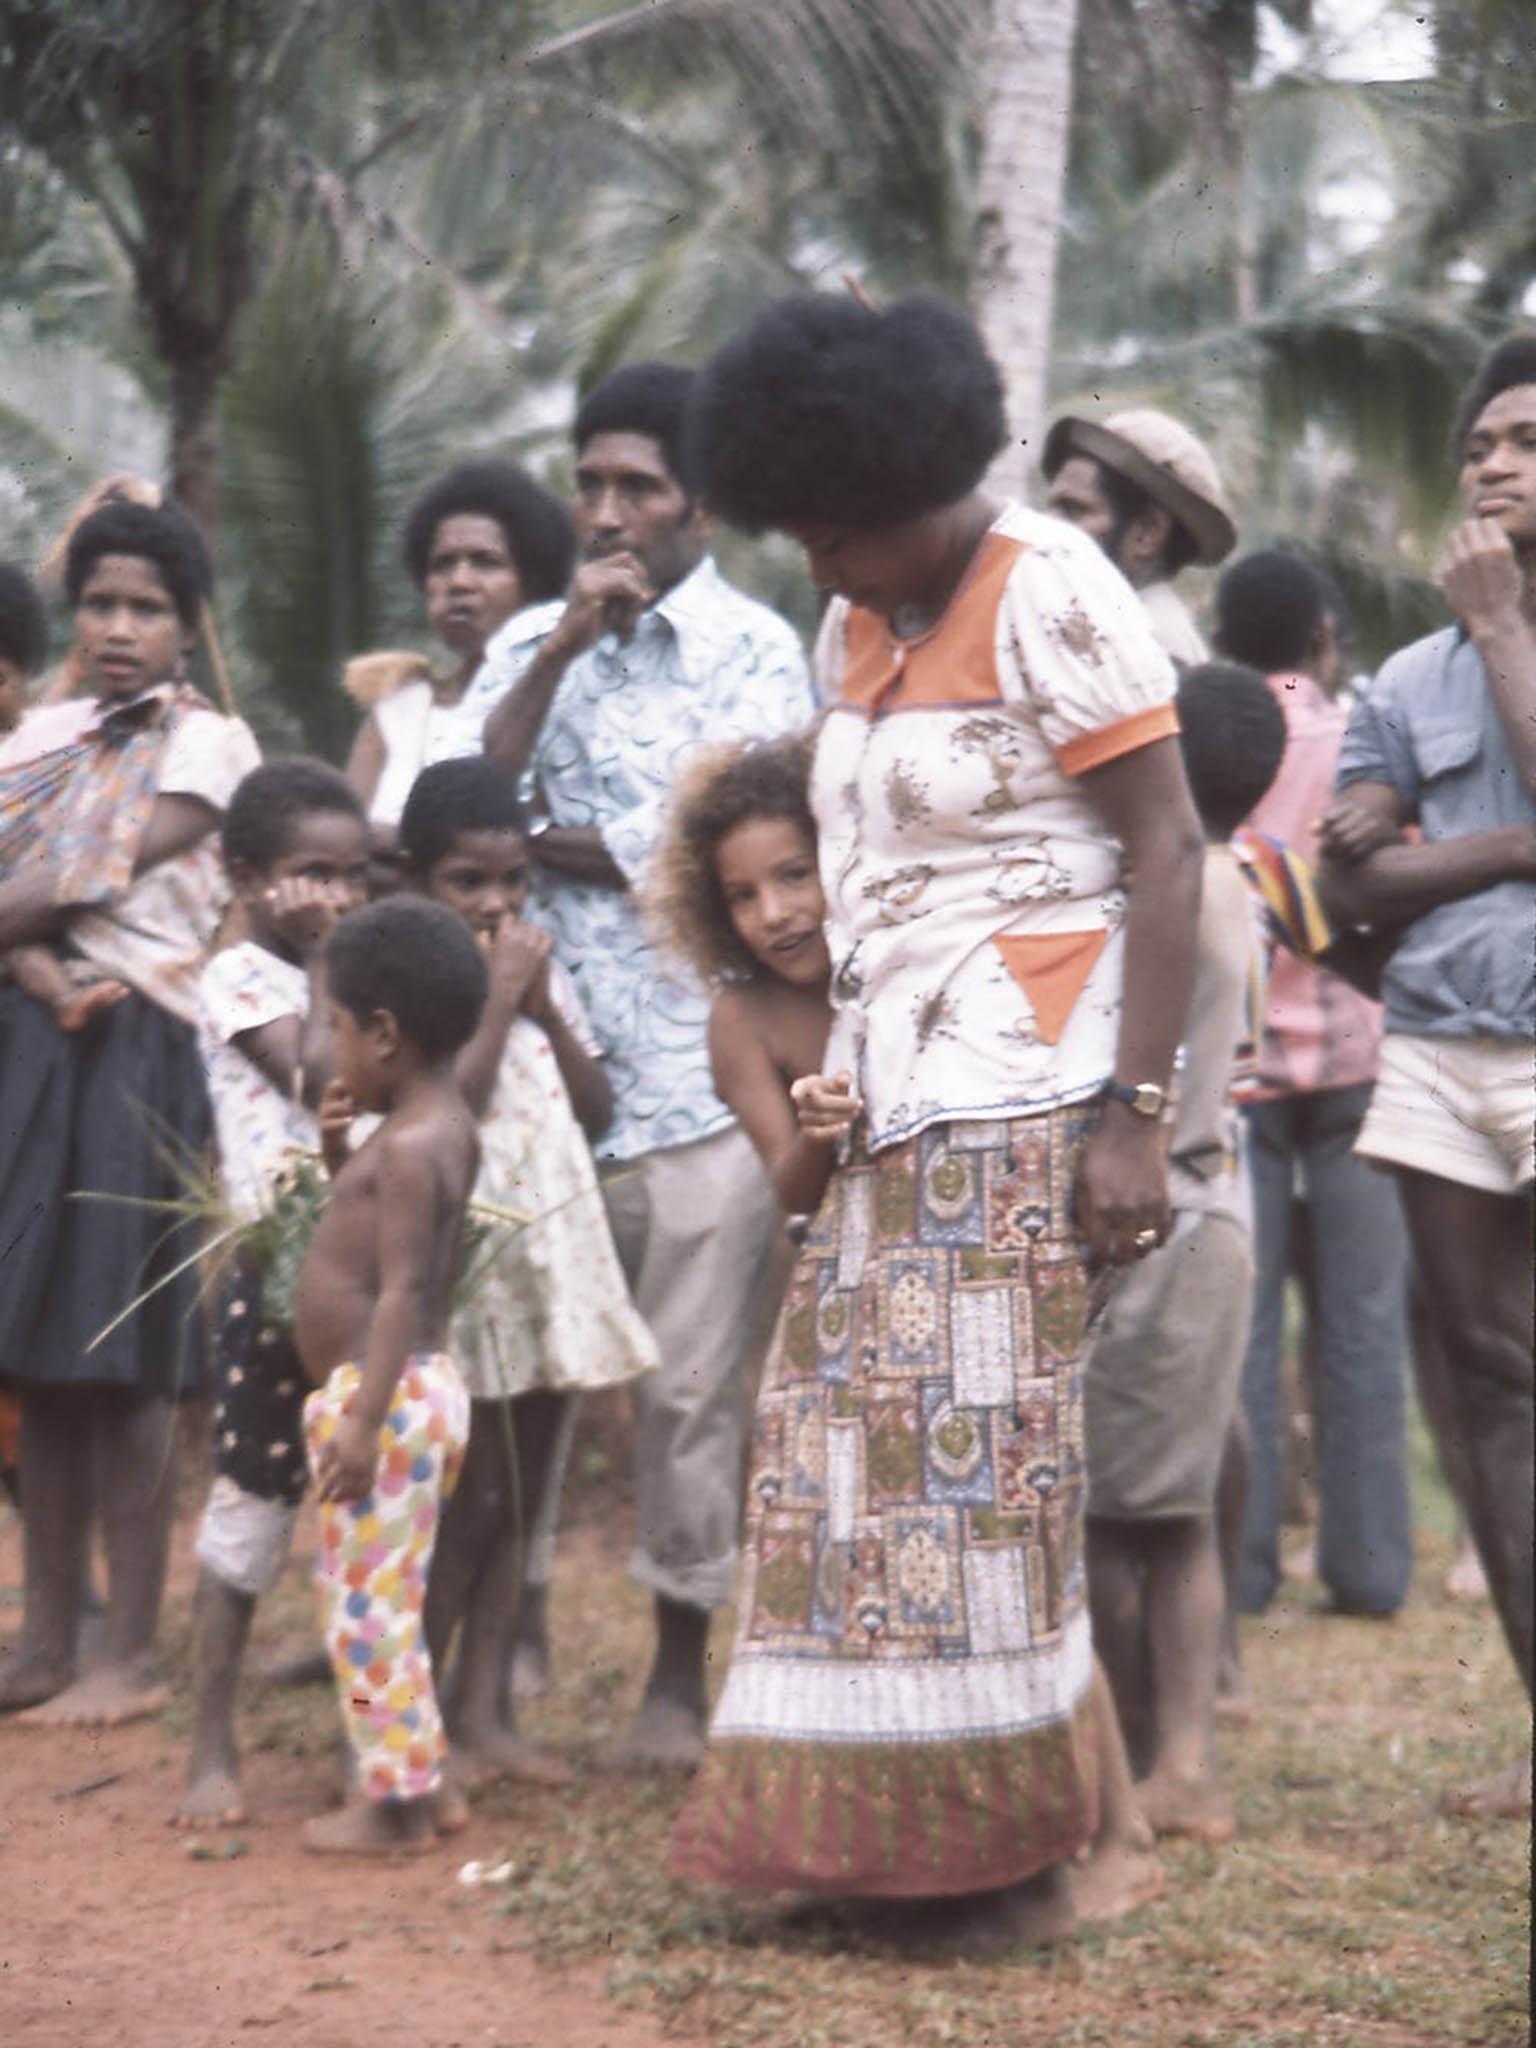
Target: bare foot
{"x": 529, "y": 1675}
{"x": 1466, "y": 1579}
{"x": 373, "y": 1827}
{"x": 303, "y": 1667}
{"x": 26, "y": 1681}
{"x": 212, "y": 1800}
{"x": 77, "y": 1010}
{"x": 664, "y": 1736}
{"x": 500, "y": 1753}
{"x": 108, "y": 1697}
{"x": 1200, "y": 1808}
{"x": 1114, "y": 1879}
{"x": 1502, "y": 1795}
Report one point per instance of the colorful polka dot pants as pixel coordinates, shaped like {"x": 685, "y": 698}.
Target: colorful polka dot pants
{"x": 371, "y": 1573}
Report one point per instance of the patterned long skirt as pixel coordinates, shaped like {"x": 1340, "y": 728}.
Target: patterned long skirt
{"x": 906, "y": 1712}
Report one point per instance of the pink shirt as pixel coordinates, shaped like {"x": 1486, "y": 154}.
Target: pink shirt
{"x": 1318, "y": 1031}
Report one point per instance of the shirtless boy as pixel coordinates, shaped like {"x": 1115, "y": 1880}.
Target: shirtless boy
{"x": 388, "y": 1421}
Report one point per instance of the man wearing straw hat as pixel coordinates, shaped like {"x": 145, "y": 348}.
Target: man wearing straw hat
{"x": 1145, "y": 488}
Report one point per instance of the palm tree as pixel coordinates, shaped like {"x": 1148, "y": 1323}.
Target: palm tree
{"x": 1025, "y": 123}
{"x": 196, "y": 135}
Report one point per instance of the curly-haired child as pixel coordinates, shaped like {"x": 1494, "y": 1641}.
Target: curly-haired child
{"x": 736, "y": 891}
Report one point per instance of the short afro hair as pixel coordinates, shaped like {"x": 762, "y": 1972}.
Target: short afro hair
{"x": 823, "y": 412}
{"x": 259, "y": 824}
{"x": 470, "y": 794}
{"x": 642, "y": 398}
{"x": 23, "y": 626}
{"x": 415, "y": 960}
{"x": 720, "y": 788}
{"x": 1512, "y": 362}
{"x": 536, "y": 526}
{"x": 1269, "y": 607}
{"x": 160, "y": 534}
{"x": 1232, "y": 734}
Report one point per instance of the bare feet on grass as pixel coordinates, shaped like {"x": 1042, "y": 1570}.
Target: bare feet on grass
{"x": 212, "y": 1800}
{"x": 1114, "y": 1879}
{"x": 108, "y": 1697}
{"x": 1198, "y": 1807}
{"x": 1502, "y": 1795}
{"x": 27, "y": 1679}
{"x": 665, "y": 1735}
{"x": 373, "y": 1827}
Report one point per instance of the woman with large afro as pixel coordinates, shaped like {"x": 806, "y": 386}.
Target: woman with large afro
{"x": 1012, "y": 870}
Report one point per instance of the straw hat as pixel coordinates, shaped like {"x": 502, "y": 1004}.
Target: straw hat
{"x": 1164, "y": 458}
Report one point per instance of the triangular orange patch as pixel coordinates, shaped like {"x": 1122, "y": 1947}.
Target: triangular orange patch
{"x": 1052, "y": 968}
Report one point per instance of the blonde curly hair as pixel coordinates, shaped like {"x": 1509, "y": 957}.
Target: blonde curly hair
{"x": 721, "y": 787}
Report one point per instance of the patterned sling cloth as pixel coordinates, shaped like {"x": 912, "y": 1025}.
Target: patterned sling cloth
{"x": 85, "y": 805}
{"x": 906, "y": 1712}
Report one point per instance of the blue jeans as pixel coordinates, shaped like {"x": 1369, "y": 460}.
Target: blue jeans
{"x": 1359, "y": 1249}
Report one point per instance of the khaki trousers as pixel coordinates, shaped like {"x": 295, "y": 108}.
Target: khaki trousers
{"x": 693, "y": 1226}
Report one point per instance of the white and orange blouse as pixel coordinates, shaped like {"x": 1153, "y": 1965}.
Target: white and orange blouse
{"x": 974, "y": 893}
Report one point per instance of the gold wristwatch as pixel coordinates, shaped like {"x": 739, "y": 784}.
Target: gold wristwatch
{"x": 1145, "y": 1098}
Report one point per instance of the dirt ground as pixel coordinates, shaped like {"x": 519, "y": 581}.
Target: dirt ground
{"x": 113, "y": 1934}
{"x": 1347, "y": 1913}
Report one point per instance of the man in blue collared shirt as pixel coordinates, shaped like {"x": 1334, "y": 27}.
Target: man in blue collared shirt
{"x": 1446, "y": 740}
{"x": 654, "y": 654}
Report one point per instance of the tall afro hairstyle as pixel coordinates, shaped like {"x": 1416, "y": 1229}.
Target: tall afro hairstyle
{"x": 536, "y": 526}
{"x": 416, "y": 960}
{"x": 468, "y": 794}
{"x": 642, "y": 398}
{"x": 1512, "y": 362}
{"x": 823, "y": 412}
{"x": 258, "y": 827}
{"x": 719, "y": 788}
{"x": 1232, "y": 736}
{"x": 1269, "y": 607}
{"x": 23, "y": 627}
{"x": 160, "y": 534}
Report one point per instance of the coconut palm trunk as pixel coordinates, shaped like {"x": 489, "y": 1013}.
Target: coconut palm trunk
{"x": 1028, "y": 74}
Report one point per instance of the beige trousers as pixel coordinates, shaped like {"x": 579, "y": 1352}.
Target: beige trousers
{"x": 693, "y": 1227}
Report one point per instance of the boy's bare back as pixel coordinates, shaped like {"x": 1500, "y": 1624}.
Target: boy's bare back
{"x": 407, "y": 1186}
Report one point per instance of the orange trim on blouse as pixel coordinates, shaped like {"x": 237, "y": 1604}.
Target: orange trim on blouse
{"x": 1093, "y": 749}
{"x": 1052, "y": 968}
{"x": 954, "y": 662}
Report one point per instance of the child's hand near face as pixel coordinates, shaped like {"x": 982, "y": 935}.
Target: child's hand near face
{"x": 826, "y": 1105}
{"x": 304, "y": 913}
{"x": 518, "y": 957}
{"x": 337, "y": 1110}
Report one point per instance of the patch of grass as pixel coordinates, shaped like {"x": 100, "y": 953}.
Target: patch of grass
{"x": 1347, "y": 1914}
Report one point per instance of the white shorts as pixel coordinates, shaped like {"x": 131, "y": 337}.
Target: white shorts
{"x": 1463, "y": 1109}
{"x": 243, "y": 1539}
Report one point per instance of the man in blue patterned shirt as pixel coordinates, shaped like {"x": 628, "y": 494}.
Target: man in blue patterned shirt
{"x": 655, "y": 654}
{"x": 1446, "y": 740}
